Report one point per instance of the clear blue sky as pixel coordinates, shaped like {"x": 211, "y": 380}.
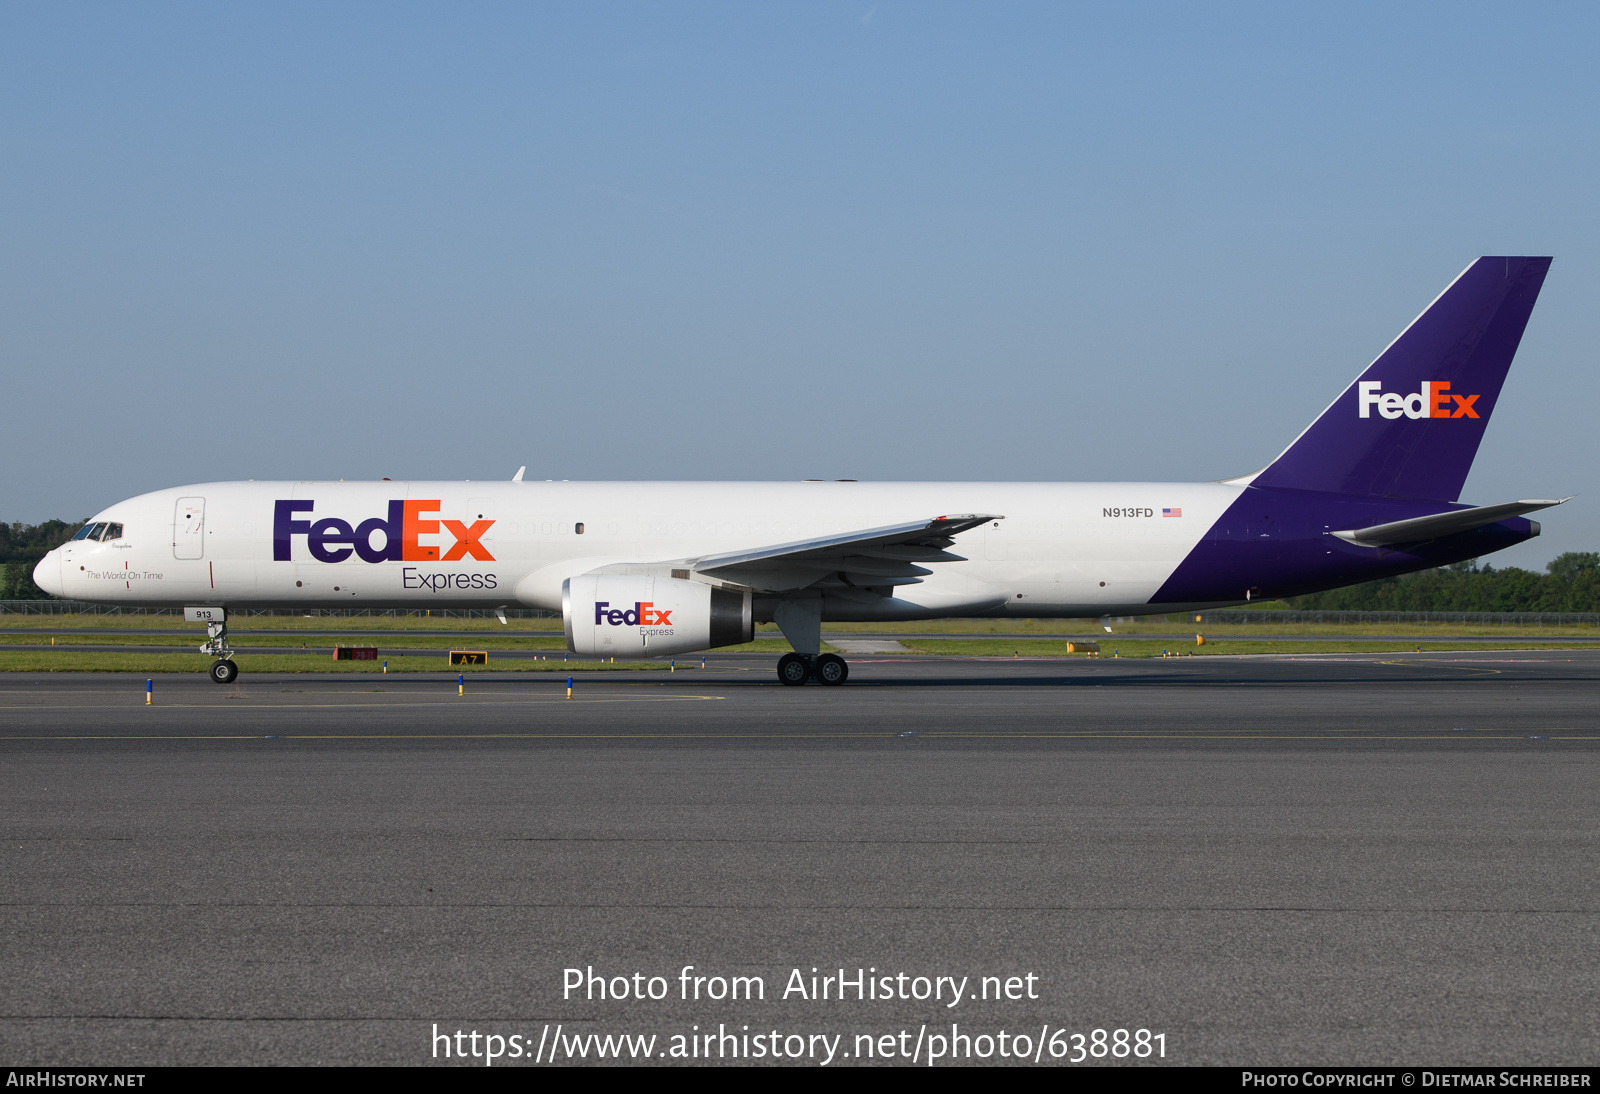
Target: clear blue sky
{"x": 826, "y": 240}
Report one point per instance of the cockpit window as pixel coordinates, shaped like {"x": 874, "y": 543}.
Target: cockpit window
{"x": 101, "y": 530}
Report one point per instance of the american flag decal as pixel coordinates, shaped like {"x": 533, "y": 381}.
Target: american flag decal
{"x": 1172, "y": 512}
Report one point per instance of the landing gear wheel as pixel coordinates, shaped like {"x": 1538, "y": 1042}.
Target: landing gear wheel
{"x": 832, "y": 670}
{"x": 793, "y": 670}
{"x": 224, "y": 672}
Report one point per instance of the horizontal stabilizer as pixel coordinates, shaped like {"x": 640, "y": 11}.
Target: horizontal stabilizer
{"x": 1441, "y": 524}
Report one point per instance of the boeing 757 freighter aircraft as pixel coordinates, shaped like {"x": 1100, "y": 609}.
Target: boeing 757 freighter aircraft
{"x": 659, "y": 568}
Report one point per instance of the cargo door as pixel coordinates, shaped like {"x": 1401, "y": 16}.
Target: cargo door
{"x": 189, "y": 528}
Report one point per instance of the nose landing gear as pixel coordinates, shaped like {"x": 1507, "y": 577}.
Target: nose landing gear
{"x": 223, "y": 670}
{"x": 829, "y": 669}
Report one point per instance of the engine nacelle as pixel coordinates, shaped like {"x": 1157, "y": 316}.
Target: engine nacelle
{"x": 621, "y": 616}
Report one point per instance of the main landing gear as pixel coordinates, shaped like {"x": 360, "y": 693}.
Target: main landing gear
{"x": 223, "y": 670}
{"x": 795, "y": 669}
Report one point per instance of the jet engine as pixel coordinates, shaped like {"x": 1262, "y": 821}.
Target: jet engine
{"x": 617, "y": 615}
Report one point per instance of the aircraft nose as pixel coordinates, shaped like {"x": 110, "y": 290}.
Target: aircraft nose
{"x": 47, "y": 575}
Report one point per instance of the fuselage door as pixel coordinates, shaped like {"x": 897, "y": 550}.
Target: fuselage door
{"x": 189, "y": 528}
{"x": 994, "y": 542}
{"x": 481, "y": 509}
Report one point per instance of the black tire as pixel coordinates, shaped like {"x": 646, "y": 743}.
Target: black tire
{"x": 793, "y": 670}
{"x": 224, "y": 672}
{"x": 832, "y": 670}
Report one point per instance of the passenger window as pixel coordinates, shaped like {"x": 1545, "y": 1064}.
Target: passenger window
{"x": 113, "y": 531}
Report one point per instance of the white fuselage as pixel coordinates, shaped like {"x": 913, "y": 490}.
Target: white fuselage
{"x": 1062, "y": 549}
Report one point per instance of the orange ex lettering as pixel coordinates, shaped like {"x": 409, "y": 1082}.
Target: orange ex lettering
{"x": 412, "y": 526}
{"x": 1439, "y": 405}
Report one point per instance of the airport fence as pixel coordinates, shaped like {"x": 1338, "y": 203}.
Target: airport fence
{"x": 1225, "y": 616}
{"x": 79, "y": 607}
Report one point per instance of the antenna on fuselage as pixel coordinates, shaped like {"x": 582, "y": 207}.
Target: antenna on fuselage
{"x": 518, "y": 476}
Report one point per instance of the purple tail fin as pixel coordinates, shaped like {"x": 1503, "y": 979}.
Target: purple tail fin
{"x": 1410, "y": 424}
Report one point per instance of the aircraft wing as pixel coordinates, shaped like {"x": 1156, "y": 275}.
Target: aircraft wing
{"x": 890, "y": 555}
{"x": 1418, "y": 529}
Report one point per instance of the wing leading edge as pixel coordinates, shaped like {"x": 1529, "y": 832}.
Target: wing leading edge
{"x": 871, "y": 557}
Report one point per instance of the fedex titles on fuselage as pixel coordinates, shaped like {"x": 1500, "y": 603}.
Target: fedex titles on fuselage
{"x": 1435, "y": 400}
{"x": 334, "y": 539}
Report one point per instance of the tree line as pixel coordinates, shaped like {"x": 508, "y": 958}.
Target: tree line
{"x": 1570, "y": 583}
{"x": 21, "y": 548}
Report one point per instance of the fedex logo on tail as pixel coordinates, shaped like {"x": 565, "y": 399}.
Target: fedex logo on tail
{"x": 1435, "y": 400}
{"x": 333, "y": 539}
{"x": 642, "y": 614}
